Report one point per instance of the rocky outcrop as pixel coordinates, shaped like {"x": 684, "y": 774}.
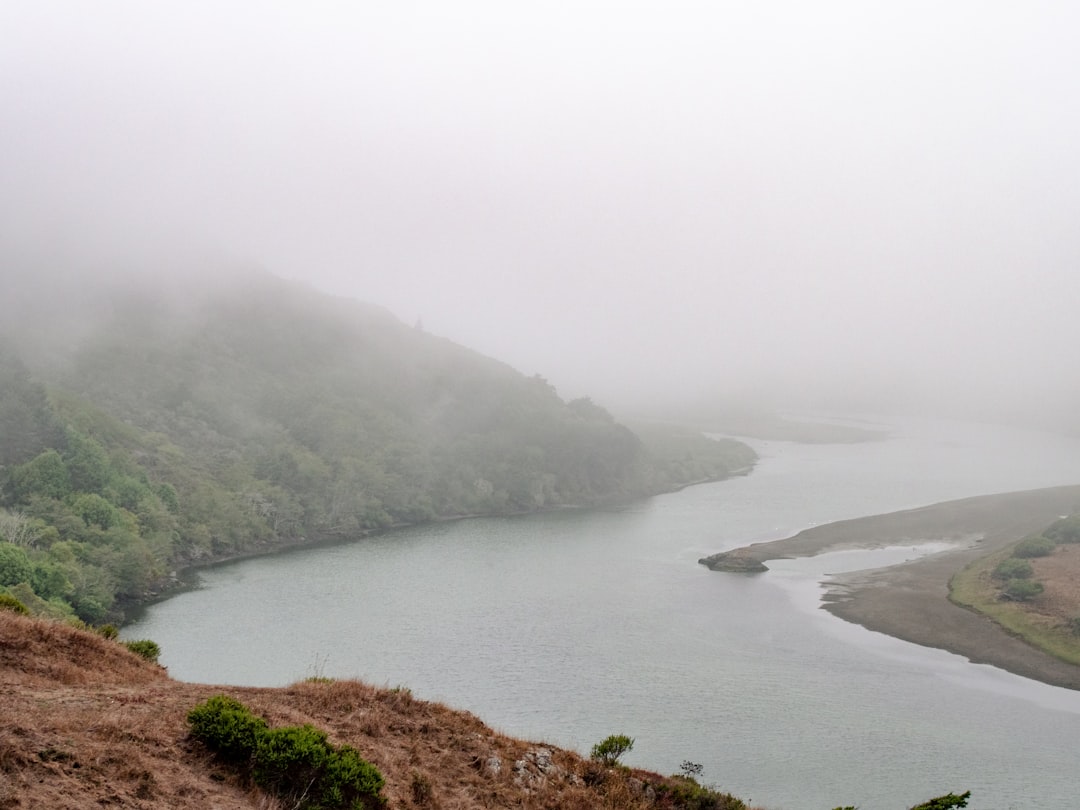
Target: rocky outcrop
{"x": 738, "y": 562}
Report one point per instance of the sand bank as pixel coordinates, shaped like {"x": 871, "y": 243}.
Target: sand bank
{"x": 910, "y": 601}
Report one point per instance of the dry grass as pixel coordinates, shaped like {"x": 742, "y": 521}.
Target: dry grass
{"x": 86, "y": 724}
{"x": 1042, "y": 621}
{"x": 1060, "y": 574}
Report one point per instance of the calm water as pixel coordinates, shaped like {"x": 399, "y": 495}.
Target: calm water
{"x": 571, "y": 626}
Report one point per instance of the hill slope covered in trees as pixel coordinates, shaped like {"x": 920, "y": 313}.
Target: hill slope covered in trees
{"x": 142, "y": 430}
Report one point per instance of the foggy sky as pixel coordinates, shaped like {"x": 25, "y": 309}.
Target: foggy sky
{"x": 818, "y": 203}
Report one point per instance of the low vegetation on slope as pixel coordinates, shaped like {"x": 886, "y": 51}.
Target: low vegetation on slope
{"x": 1032, "y": 588}
{"x": 177, "y": 430}
{"x": 88, "y": 724}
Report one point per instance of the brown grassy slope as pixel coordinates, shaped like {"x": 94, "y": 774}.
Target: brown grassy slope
{"x": 1060, "y": 575}
{"x": 86, "y": 724}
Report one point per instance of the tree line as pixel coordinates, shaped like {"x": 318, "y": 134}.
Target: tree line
{"x": 275, "y": 415}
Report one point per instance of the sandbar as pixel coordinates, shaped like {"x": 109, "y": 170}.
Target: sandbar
{"x": 910, "y": 601}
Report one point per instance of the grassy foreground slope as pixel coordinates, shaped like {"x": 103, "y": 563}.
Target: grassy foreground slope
{"x": 142, "y": 430}
{"x": 86, "y": 724}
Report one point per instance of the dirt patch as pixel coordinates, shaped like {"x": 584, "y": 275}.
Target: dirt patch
{"x": 1060, "y": 575}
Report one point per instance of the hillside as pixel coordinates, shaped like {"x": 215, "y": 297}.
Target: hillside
{"x": 86, "y": 724}
{"x": 147, "y": 427}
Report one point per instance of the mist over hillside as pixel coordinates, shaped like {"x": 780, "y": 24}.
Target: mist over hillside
{"x": 783, "y": 205}
{"x": 145, "y": 427}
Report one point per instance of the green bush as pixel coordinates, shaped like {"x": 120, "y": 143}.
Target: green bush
{"x": 349, "y": 780}
{"x": 947, "y": 802}
{"x": 146, "y": 648}
{"x": 1064, "y": 530}
{"x": 1037, "y": 546}
{"x": 225, "y": 725}
{"x": 9, "y": 602}
{"x": 609, "y": 750}
{"x": 686, "y": 793}
{"x": 1013, "y": 568}
{"x": 289, "y": 760}
{"x": 1022, "y": 590}
{"x": 296, "y": 763}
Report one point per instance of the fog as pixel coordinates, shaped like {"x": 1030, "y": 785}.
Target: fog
{"x": 830, "y": 204}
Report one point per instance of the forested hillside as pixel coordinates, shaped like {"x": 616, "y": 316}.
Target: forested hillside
{"x": 151, "y": 430}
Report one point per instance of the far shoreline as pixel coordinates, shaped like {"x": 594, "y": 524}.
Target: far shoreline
{"x": 910, "y": 601}
{"x": 184, "y": 577}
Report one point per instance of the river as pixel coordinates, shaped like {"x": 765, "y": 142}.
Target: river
{"x": 566, "y": 627}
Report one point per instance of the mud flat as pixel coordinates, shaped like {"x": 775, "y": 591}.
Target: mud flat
{"x": 910, "y": 601}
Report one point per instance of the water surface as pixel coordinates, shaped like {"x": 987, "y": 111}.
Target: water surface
{"x": 569, "y": 626}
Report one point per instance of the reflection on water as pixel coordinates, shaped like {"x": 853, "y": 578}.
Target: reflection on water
{"x": 570, "y": 626}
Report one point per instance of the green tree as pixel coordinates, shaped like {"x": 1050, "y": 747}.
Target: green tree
{"x": 49, "y": 580}
{"x": 610, "y": 749}
{"x": 44, "y": 475}
{"x": 167, "y": 494}
{"x": 95, "y": 510}
{"x": 87, "y": 462}
{"x": 15, "y": 566}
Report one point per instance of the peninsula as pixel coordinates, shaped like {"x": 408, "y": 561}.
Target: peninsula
{"x": 911, "y": 601}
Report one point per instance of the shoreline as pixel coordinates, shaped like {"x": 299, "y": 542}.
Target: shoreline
{"x": 181, "y": 578}
{"x": 910, "y": 601}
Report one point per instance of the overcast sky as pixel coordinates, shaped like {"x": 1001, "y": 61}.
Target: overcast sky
{"x": 776, "y": 197}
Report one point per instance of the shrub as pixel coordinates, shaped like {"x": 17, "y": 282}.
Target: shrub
{"x": 1064, "y": 530}
{"x": 351, "y": 781}
{"x": 225, "y": 725}
{"x": 609, "y": 750}
{"x": 296, "y": 763}
{"x": 9, "y": 602}
{"x": 146, "y": 648}
{"x": 1013, "y": 568}
{"x": 688, "y": 794}
{"x": 691, "y": 770}
{"x": 947, "y": 802}
{"x": 1022, "y": 590}
{"x": 421, "y": 790}
{"x": 1037, "y": 546}
{"x": 1074, "y": 625}
{"x": 108, "y": 631}
{"x": 288, "y": 760}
